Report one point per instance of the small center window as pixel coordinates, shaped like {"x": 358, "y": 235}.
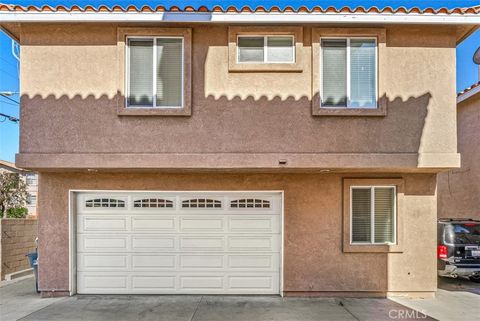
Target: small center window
{"x": 349, "y": 72}
{"x": 266, "y": 49}
{"x": 155, "y": 72}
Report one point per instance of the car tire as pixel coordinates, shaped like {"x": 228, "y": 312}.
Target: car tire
{"x": 475, "y": 278}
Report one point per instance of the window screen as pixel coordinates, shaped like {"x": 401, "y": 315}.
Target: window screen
{"x": 373, "y": 215}
{"x": 140, "y": 72}
{"x": 348, "y": 73}
{"x": 362, "y": 73}
{"x": 155, "y": 72}
{"x": 334, "y": 66}
{"x": 169, "y": 72}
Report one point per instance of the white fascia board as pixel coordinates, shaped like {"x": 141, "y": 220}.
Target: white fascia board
{"x": 219, "y": 17}
{"x": 468, "y": 94}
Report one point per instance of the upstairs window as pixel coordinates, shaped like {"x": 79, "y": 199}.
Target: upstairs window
{"x": 373, "y": 215}
{"x": 266, "y": 49}
{"x": 348, "y": 72}
{"x": 155, "y": 72}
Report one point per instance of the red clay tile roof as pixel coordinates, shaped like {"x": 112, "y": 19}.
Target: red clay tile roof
{"x": 244, "y": 9}
{"x": 466, "y": 90}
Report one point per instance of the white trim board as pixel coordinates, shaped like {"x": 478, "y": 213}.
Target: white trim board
{"x": 244, "y": 17}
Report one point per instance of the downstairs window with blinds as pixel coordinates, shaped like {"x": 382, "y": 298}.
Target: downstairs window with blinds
{"x": 373, "y": 215}
{"x": 349, "y": 72}
{"x": 155, "y": 72}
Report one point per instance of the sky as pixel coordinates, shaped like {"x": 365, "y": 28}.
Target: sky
{"x": 467, "y": 72}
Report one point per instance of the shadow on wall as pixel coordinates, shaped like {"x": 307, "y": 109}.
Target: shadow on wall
{"x": 220, "y": 125}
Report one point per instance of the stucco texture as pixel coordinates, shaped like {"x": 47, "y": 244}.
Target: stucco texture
{"x": 314, "y": 262}
{"x": 69, "y": 75}
{"x": 459, "y": 189}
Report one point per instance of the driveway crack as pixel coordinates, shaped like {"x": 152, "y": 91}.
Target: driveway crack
{"x": 340, "y": 303}
{"x": 196, "y": 308}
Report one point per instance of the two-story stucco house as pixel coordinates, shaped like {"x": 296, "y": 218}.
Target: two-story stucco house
{"x": 238, "y": 151}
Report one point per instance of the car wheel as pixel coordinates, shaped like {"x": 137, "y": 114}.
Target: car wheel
{"x": 475, "y": 278}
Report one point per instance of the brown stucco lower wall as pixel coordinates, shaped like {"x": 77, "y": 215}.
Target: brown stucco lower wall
{"x": 459, "y": 189}
{"x": 17, "y": 238}
{"x": 313, "y": 257}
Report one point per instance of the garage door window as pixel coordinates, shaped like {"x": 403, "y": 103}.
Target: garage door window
{"x": 250, "y": 203}
{"x": 104, "y": 202}
{"x": 201, "y": 203}
{"x": 153, "y": 203}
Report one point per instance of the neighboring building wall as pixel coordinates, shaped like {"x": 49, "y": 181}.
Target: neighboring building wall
{"x": 17, "y": 239}
{"x": 314, "y": 260}
{"x": 459, "y": 189}
{"x": 31, "y": 179}
{"x": 233, "y": 113}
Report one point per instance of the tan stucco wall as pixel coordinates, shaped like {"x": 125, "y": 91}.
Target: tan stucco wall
{"x": 459, "y": 190}
{"x": 69, "y": 99}
{"x": 314, "y": 261}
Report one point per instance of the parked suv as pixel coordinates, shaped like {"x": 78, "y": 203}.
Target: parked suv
{"x": 458, "y": 249}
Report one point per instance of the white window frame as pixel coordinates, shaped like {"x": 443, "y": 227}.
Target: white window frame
{"x": 372, "y": 214}
{"x": 29, "y": 200}
{"x": 265, "y": 48}
{"x": 154, "y": 89}
{"x": 31, "y": 179}
{"x": 348, "y": 89}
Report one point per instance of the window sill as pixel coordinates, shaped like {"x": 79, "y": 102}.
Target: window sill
{"x": 125, "y": 111}
{"x": 381, "y": 111}
{"x": 372, "y": 248}
{"x": 265, "y": 67}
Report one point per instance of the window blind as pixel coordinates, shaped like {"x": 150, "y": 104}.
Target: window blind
{"x": 334, "y": 67}
{"x": 140, "y": 72}
{"x": 361, "y": 219}
{"x": 362, "y": 73}
{"x": 384, "y": 214}
{"x": 169, "y": 72}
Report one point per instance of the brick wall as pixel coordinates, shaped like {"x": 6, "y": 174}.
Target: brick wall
{"x": 17, "y": 239}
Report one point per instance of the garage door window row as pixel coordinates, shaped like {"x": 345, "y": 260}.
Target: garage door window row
{"x": 189, "y": 203}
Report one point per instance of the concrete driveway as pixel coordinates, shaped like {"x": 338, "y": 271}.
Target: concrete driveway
{"x": 18, "y": 302}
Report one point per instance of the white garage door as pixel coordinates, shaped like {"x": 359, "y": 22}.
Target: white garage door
{"x": 179, "y": 242}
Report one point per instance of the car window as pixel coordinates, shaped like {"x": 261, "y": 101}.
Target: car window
{"x": 467, "y": 233}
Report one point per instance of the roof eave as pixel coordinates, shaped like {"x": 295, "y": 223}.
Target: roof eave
{"x": 242, "y": 17}
{"x": 468, "y": 94}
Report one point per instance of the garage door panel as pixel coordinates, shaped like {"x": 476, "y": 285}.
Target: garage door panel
{"x": 102, "y": 261}
{"x": 202, "y": 243}
{"x": 142, "y": 243}
{"x": 153, "y": 282}
{"x": 153, "y": 224}
{"x": 102, "y": 243}
{"x": 103, "y": 224}
{"x": 201, "y": 224}
{"x": 253, "y": 243}
{"x": 254, "y": 224}
{"x": 265, "y": 262}
{"x": 201, "y": 283}
{"x": 153, "y": 261}
{"x": 189, "y": 261}
{"x": 103, "y": 282}
{"x": 220, "y": 243}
